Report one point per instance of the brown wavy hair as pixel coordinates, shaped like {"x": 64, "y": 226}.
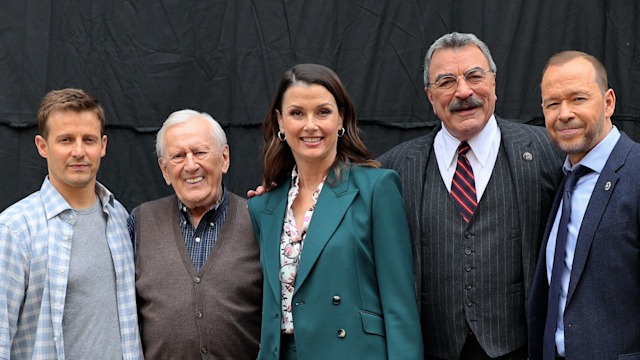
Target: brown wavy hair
{"x": 67, "y": 99}
{"x": 277, "y": 158}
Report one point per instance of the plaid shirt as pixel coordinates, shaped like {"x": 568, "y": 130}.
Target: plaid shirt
{"x": 35, "y": 248}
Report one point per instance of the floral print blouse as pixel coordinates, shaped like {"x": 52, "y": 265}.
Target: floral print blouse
{"x": 291, "y": 244}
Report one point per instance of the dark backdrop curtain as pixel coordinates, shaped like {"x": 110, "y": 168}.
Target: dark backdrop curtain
{"x": 147, "y": 58}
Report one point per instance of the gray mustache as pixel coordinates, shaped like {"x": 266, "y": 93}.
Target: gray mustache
{"x": 466, "y": 103}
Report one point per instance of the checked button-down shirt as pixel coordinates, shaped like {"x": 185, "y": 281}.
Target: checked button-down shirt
{"x": 35, "y": 249}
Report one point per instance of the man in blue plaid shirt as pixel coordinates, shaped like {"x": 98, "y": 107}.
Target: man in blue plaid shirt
{"x": 67, "y": 287}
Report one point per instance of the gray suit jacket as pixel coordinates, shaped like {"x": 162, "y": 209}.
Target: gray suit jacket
{"x": 535, "y": 167}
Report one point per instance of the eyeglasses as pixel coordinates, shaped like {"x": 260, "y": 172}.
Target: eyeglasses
{"x": 448, "y": 83}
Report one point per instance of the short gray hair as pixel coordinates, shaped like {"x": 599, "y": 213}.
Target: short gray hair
{"x": 185, "y": 115}
{"x": 456, "y": 40}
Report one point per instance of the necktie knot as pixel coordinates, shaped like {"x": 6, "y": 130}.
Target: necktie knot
{"x": 574, "y": 175}
{"x": 463, "y": 148}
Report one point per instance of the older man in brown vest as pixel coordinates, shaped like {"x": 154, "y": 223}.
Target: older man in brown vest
{"x": 198, "y": 277}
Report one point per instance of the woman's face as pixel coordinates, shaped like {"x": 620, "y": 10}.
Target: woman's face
{"x": 310, "y": 119}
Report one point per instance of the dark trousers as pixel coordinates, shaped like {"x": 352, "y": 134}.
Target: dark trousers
{"x": 473, "y": 351}
{"x": 288, "y": 347}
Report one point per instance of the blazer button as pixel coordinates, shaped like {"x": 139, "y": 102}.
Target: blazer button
{"x": 342, "y": 333}
{"x": 336, "y": 300}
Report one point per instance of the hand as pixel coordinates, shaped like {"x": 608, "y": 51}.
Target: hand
{"x": 257, "y": 192}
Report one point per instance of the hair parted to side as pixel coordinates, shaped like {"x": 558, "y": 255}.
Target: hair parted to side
{"x": 564, "y": 57}
{"x": 456, "y": 40}
{"x": 180, "y": 116}
{"x": 277, "y": 158}
{"x": 67, "y": 100}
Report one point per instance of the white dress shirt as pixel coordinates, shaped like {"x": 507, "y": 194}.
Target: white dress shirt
{"x": 482, "y": 156}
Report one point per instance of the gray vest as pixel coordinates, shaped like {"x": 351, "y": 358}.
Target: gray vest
{"x": 472, "y": 273}
{"x": 214, "y": 313}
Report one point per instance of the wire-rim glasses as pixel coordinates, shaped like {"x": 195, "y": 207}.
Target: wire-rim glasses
{"x": 448, "y": 83}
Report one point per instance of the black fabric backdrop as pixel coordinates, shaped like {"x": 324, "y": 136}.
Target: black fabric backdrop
{"x": 147, "y": 58}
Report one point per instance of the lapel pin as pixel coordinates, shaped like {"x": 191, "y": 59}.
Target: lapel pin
{"x": 607, "y": 186}
{"x": 527, "y": 156}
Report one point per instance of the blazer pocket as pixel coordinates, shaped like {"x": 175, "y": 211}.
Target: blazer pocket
{"x": 516, "y": 288}
{"x": 372, "y": 323}
{"x": 612, "y": 229}
{"x": 633, "y": 356}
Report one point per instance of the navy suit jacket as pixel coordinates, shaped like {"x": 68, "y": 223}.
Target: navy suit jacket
{"x": 602, "y": 314}
{"x": 354, "y": 296}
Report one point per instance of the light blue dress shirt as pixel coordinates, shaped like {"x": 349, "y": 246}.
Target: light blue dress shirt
{"x": 35, "y": 249}
{"x": 594, "y": 160}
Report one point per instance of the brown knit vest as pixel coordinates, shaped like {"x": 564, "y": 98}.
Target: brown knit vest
{"x": 210, "y": 314}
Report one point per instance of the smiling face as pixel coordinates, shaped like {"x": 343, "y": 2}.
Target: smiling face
{"x": 577, "y": 111}
{"x": 73, "y": 148}
{"x": 193, "y": 163}
{"x": 464, "y": 111}
{"x": 310, "y": 119}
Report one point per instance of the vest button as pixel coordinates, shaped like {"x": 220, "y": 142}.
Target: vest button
{"x": 197, "y": 280}
{"x": 467, "y": 251}
{"x": 342, "y": 333}
{"x": 336, "y": 300}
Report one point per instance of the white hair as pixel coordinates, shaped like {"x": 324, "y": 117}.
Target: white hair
{"x": 185, "y": 115}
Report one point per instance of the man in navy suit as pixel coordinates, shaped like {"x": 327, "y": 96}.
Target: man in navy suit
{"x": 595, "y": 313}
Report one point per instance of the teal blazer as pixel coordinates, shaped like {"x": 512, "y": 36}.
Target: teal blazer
{"x": 354, "y": 296}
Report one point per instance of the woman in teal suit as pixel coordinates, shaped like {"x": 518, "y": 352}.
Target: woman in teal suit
{"x": 334, "y": 241}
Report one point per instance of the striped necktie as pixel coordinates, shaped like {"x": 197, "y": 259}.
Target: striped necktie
{"x": 463, "y": 186}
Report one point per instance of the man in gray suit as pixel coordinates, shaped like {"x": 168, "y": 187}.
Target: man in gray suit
{"x": 474, "y": 259}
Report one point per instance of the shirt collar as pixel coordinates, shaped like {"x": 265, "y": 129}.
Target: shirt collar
{"x": 185, "y": 210}
{"x": 478, "y": 143}
{"x": 597, "y": 157}
{"x": 55, "y": 204}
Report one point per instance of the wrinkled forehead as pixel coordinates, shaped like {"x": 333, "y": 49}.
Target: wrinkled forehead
{"x": 457, "y": 61}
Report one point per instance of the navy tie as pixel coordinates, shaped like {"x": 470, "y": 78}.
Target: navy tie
{"x": 555, "y": 287}
{"x": 463, "y": 186}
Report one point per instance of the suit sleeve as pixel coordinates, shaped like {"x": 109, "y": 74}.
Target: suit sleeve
{"x": 394, "y": 269}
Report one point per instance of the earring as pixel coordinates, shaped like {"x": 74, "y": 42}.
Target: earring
{"x": 341, "y": 132}
{"x": 282, "y": 136}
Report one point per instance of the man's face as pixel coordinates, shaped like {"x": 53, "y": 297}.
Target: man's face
{"x": 464, "y": 111}
{"x": 193, "y": 163}
{"x": 73, "y": 148}
{"x": 577, "y": 111}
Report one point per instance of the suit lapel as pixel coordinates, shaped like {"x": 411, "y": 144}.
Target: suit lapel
{"x": 332, "y": 204}
{"x": 600, "y": 197}
{"x": 271, "y": 223}
{"x": 524, "y": 170}
{"x": 412, "y": 173}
